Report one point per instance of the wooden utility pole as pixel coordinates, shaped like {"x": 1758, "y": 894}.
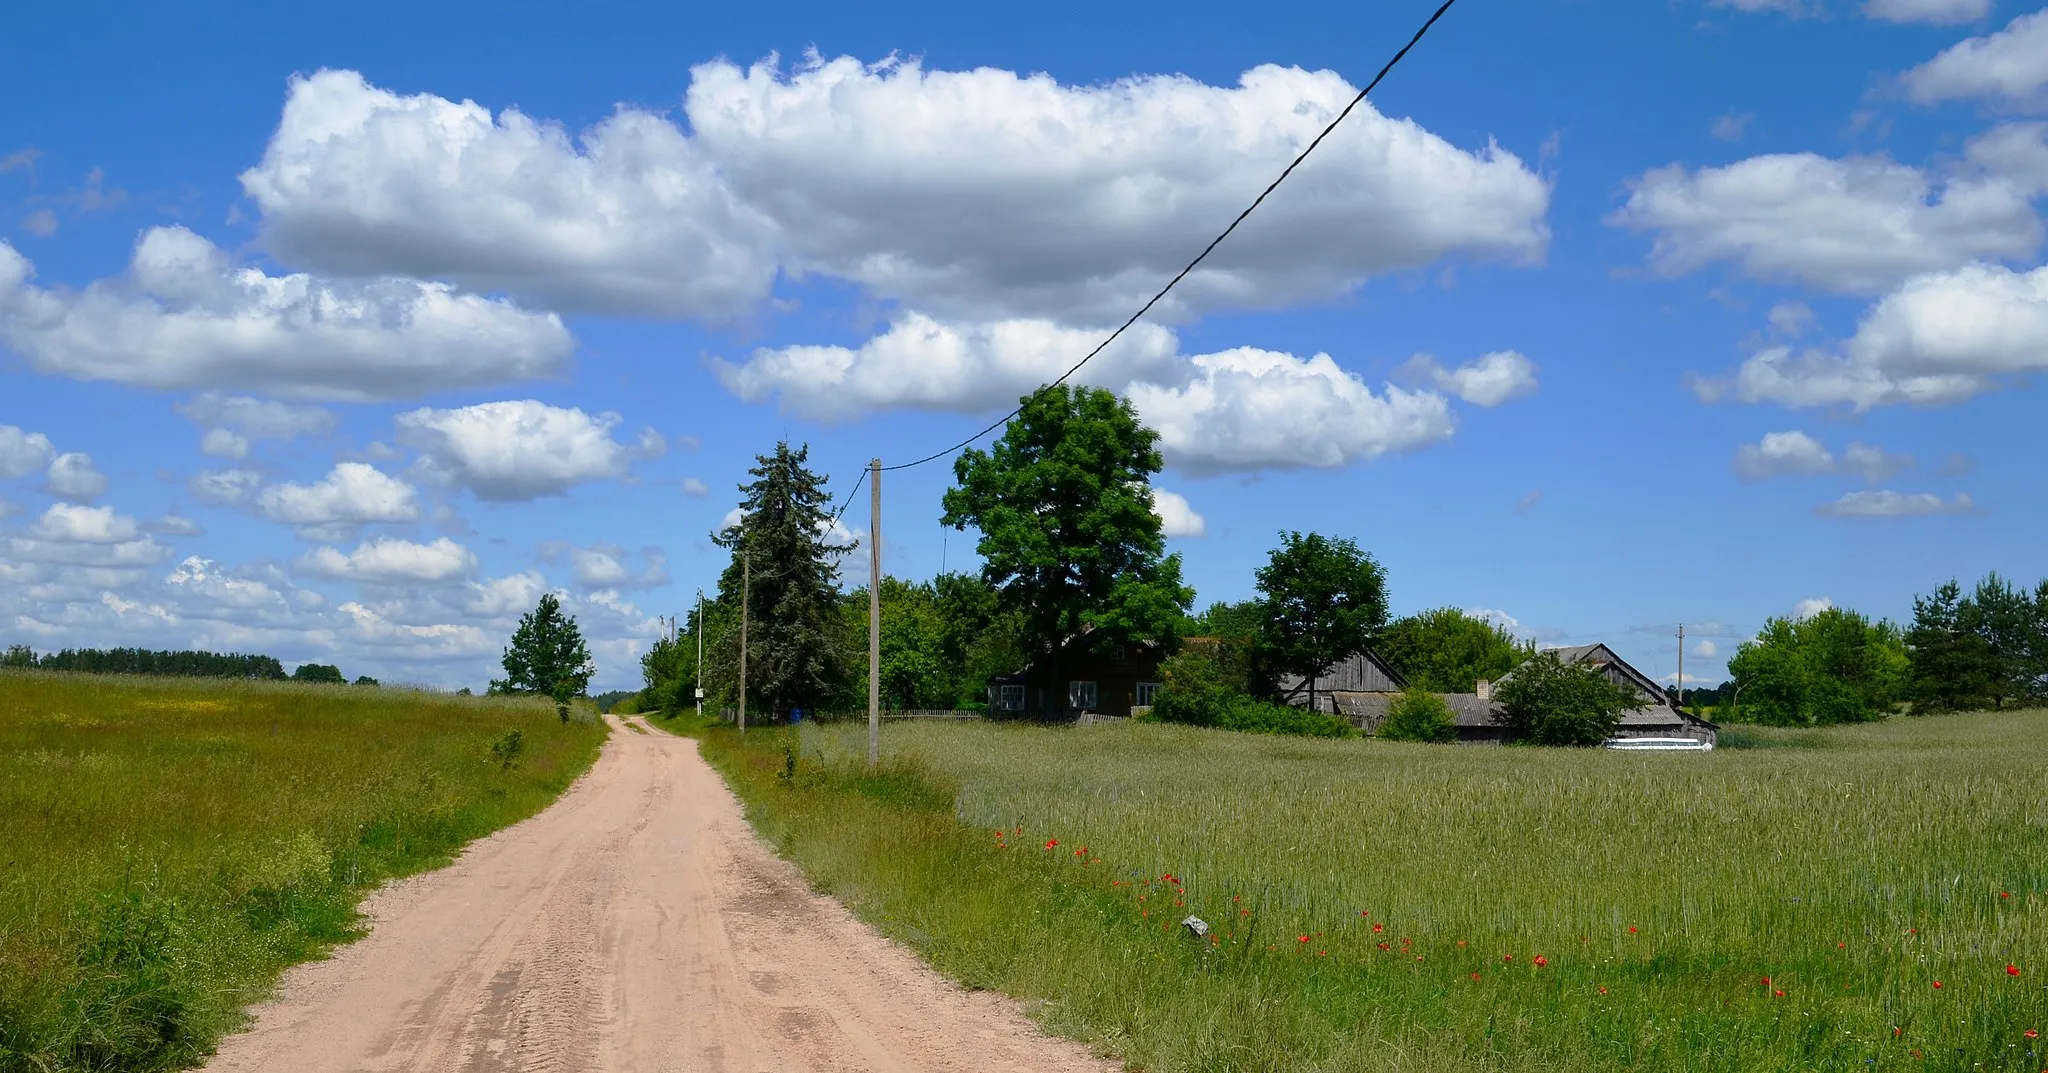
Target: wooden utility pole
{"x": 875, "y": 613}
{"x": 746, "y": 607}
{"x": 1681, "y": 666}
{"x": 699, "y": 676}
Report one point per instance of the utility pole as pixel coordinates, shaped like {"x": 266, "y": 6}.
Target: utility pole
{"x": 875, "y": 613}
{"x": 1681, "y": 666}
{"x": 746, "y": 601}
{"x": 699, "y": 676}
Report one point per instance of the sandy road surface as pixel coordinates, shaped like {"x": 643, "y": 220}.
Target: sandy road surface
{"x": 636, "y": 925}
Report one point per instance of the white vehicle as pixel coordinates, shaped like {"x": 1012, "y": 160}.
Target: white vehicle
{"x": 1683, "y": 745}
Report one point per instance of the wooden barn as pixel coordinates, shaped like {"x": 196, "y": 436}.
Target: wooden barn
{"x": 1089, "y": 677}
{"x": 1659, "y": 719}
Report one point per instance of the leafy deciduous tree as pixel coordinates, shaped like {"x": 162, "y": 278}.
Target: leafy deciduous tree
{"x": 1322, "y": 600}
{"x": 1449, "y": 651}
{"x": 1068, "y": 537}
{"x": 1550, "y": 702}
{"x": 1419, "y": 715}
{"x": 318, "y": 672}
{"x": 547, "y": 655}
{"x": 1835, "y": 667}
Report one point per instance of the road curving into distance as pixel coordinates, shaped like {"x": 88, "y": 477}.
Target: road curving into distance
{"x": 635, "y": 925}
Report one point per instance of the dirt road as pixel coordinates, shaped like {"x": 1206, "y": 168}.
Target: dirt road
{"x": 636, "y": 925}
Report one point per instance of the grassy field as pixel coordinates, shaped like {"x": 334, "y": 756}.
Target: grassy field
{"x": 170, "y": 845}
{"x": 1847, "y": 899}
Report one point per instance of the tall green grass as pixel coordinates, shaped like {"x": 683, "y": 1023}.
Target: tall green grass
{"x": 168, "y": 846}
{"x": 1382, "y": 907}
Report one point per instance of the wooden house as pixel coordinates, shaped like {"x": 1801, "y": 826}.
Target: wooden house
{"x": 1659, "y": 718}
{"x": 1090, "y": 677}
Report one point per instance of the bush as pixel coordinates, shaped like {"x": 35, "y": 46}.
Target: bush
{"x": 319, "y": 672}
{"x": 1198, "y": 687}
{"x": 1550, "y": 702}
{"x": 1834, "y": 667}
{"x": 1419, "y": 715}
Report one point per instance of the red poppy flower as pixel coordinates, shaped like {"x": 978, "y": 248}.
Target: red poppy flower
{"x": 1841, "y": 946}
{"x": 1912, "y": 931}
{"x": 1302, "y": 939}
{"x": 1603, "y": 990}
{"x": 1168, "y": 878}
{"x": 1322, "y": 953}
{"x": 2012, "y": 970}
{"x": 1766, "y": 981}
{"x": 2005, "y": 894}
{"x": 1507, "y": 957}
{"x": 1541, "y": 961}
{"x": 1897, "y": 1032}
{"x": 1780, "y": 993}
{"x": 1384, "y": 946}
{"x": 1937, "y": 985}
{"x": 1461, "y": 942}
{"x": 2032, "y": 1033}
{"x": 1051, "y": 842}
{"x": 1418, "y": 957}
{"x": 1364, "y": 912}
{"x": 1631, "y": 929}
{"x": 1377, "y": 928}
{"x": 1475, "y": 976}
{"x": 1082, "y": 852}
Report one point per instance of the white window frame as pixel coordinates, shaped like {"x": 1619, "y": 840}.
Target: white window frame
{"x": 1083, "y": 696}
{"x": 1010, "y": 698}
{"x": 1147, "y": 692}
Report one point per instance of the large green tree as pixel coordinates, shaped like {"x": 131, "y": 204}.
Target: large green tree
{"x": 1321, "y": 600}
{"x": 1550, "y": 702}
{"x": 1985, "y": 648}
{"x": 1834, "y": 667}
{"x": 1449, "y": 651}
{"x": 798, "y": 652}
{"x": 1068, "y": 536}
{"x": 547, "y": 655}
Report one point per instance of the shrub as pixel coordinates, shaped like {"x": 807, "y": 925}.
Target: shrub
{"x": 1419, "y": 715}
{"x": 1551, "y": 702}
{"x": 1200, "y": 687}
{"x": 1261, "y": 717}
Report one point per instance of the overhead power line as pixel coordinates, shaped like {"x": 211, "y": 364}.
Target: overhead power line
{"x": 1199, "y": 258}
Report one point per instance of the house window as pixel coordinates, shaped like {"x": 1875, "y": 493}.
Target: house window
{"x": 1012, "y": 699}
{"x": 1147, "y": 692}
{"x": 1082, "y": 696}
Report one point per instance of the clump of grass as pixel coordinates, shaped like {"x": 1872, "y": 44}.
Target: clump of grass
{"x": 169, "y": 846}
{"x": 1377, "y": 906}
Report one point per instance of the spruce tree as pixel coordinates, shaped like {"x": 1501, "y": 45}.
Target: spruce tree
{"x": 797, "y": 648}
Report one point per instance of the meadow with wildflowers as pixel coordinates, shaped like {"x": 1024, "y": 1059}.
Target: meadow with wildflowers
{"x": 1855, "y": 898}
{"x": 170, "y": 845}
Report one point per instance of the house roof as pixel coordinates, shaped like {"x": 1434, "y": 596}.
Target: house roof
{"x": 1363, "y": 672}
{"x": 1659, "y": 712}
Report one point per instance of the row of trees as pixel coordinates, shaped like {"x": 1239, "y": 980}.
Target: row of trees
{"x": 188, "y": 664}
{"x": 1982, "y": 648}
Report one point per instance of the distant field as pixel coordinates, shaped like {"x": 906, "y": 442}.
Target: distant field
{"x": 1847, "y": 899}
{"x": 170, "y": 845}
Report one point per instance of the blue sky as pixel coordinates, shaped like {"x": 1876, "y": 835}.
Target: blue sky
{"x": 343, "y": 336}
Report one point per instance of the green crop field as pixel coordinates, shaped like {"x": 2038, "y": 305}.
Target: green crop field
{"x": 1872, "y": 897}
{"x": 167, "y": 846}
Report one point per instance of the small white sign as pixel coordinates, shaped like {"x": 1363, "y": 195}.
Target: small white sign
{"x": 700, "y": 692}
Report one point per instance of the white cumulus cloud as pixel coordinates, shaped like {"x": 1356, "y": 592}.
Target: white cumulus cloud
{"x": 1782, "y": 453}
{"x": 184, "y": 316}
{"x": 521, "y": 449}
{"x": 1939, "y": 338}
{"x": 233, "y": 422}
{"x": 22, "y": 452}
{"x": 72, "y": 476}
{"x": 2009, "y": 66}
{"x": 1490, "y": 381}
{"x": 1885, "y": 503}
{"x": 606, "y": 566}
{"x": 351, "y": 495}
{"x": 394, "y": 561}
{"x": 1857, "y": 225}
{"x": 1811, "y": 606}
{"x": 1176, "y": 517}
{"x": 85, "y": 525}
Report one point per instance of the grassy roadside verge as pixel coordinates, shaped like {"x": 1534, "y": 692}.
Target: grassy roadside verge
{"x": 171, "y": 845}
{"x": 1384, "y": 907}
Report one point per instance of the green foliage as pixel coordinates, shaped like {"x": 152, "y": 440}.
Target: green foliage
{"x": 1449, "y": 651}
{"x": 622, "y": 701}
{"x": 1987, "y": 649}
{"x": 1853, "y": 874}
{"x": 547, "y": 656}
{"x": 668, "y": 671}
{"x": 1835, "y": 667}
{"x": 366, "y": 680}
{"x": 188, "y": 664}
{"x": 171, "y": 845}
{"x": 1419, "y": 715}
{"x": 798, "y": 651}
{"x": 322, "y": 673}
{"x": 1321, "y": 600}
{"x": 1203, "y": 685}
{"x": 1550, "y": 702}
{"x": 1068, "y": 537}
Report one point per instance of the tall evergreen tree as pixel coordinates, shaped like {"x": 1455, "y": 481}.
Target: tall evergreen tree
{"x": 797, "y": 647}
{"x": 1068, "y": 537}
{"x": 1951, "y": 667}
{"x": 547, "y": 655}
